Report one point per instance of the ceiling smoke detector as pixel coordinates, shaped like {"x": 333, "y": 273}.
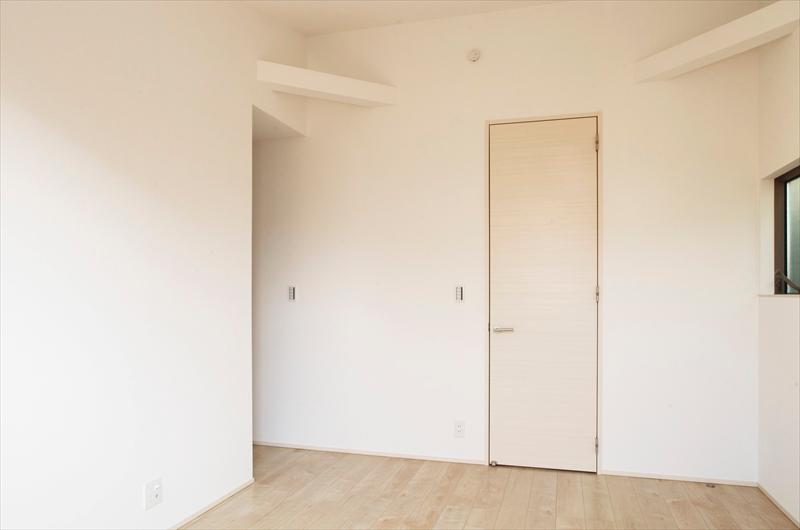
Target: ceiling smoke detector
{"x": 473, "y": 55}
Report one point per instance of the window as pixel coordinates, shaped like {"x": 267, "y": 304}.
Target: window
{"x": 787, "y": 233}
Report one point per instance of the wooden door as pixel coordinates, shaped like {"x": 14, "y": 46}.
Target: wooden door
{"x": 543, "y": 280}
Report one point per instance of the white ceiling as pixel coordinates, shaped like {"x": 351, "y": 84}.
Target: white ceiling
{"x": 314, "y": 17}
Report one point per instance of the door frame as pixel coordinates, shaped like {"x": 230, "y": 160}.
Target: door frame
{"x": 598, "y": 401}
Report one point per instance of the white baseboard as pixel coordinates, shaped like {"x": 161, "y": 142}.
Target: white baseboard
{"x": 213, "y": 505}
{"x": 781, "y": 508}
{"x": 675, "y": 477}
{"x": 368, "y": 453}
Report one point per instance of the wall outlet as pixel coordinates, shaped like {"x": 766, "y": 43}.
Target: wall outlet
{"x": 458, "y": 428}
{"x": 153, "y": 495}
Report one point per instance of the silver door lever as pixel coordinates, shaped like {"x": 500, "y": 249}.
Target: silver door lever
{"x": 503, "y": 330}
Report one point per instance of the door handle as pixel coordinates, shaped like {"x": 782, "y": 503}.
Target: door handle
{"x": 503, "y": 330}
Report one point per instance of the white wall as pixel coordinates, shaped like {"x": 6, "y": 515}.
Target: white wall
{"x": 778, "y": 136}
{"x": 779, "y": 316}
{"x": 779, "y": 400}
{"x": 380, "y": 213}
{"x": 126, "y": 257}
{"x": 779, "y": 104}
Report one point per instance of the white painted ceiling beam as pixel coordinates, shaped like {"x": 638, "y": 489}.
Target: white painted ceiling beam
{"x": 745, "y": 33}
{"x": 310, "y": 83}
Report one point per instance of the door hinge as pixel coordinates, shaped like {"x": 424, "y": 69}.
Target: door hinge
{"x": 596, "y": 444}
{"x": 596, "y": 293}
{"x": 597, "y": 142}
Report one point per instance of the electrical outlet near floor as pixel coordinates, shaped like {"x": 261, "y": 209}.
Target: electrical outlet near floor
{"x": 458, "y": 428}
{"x": 153, "y": 495}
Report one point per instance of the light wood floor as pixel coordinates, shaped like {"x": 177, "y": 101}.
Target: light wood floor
{"x": 312, "y": 489}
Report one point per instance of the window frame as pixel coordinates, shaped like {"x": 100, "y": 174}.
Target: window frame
{"x": 780, "y": 227}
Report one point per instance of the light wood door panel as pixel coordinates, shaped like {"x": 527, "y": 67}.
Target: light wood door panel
{"x": 543, "y": 275}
